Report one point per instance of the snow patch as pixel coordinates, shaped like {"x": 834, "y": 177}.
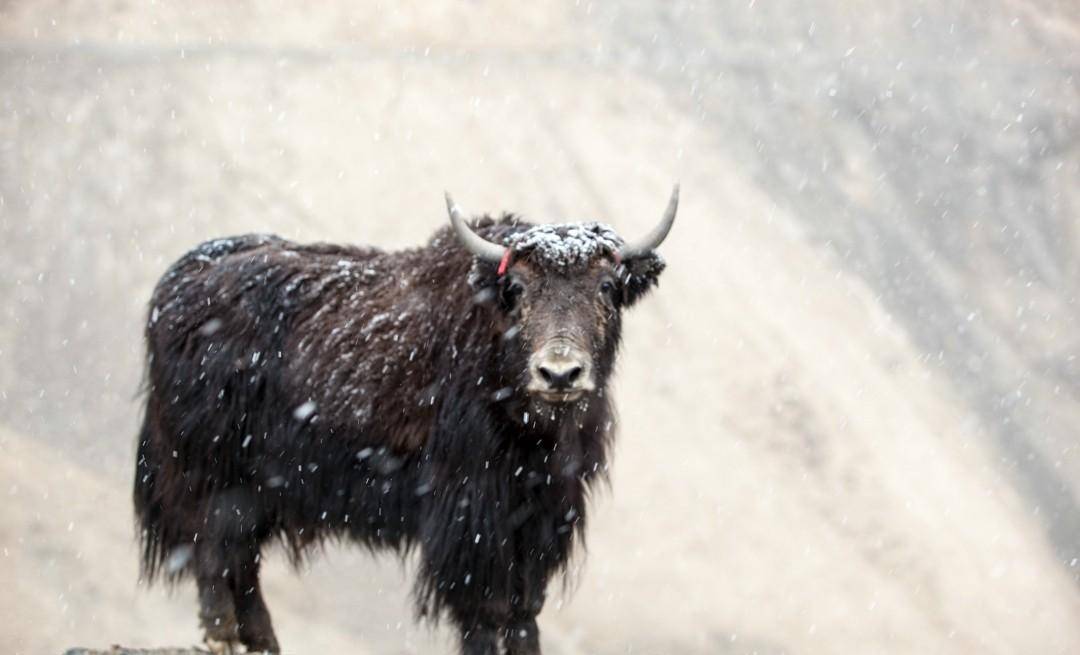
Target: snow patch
{"x": 302, "y": 412}
{"x": 566, "y": 245}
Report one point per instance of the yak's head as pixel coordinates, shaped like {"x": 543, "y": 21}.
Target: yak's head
{"x": 558, "y": 292}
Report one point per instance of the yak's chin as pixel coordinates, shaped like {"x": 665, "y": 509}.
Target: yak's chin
{"x": 559, "y": 397}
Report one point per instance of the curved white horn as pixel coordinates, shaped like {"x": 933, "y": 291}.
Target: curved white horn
{"x": 653, "y": 240}
{"x": 474, "y": 243}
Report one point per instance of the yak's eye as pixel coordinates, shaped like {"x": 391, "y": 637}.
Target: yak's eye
{"x": 511, "y": 291}
{"x": 607, "y": 288}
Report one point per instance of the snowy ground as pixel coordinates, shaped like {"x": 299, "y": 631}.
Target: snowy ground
{"x": 848, "y": 414}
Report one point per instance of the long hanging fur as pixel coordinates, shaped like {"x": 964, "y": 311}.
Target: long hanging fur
{"x": 313, "y": 392}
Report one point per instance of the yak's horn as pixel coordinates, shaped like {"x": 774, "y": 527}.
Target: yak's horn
{"x": 474, "y": 243}
{"x": 653, "y": 240}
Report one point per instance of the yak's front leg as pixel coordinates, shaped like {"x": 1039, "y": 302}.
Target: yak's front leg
{"x": 519, "y": 633}
{"x": 523, "y": 637}
{"x": 480, "y": 639}
{"x": 480, "y": 613}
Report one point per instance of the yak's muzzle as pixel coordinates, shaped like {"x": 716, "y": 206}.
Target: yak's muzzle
{"x": 560, "y": 372}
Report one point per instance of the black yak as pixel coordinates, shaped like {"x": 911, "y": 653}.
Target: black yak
{"x": 448, "y": 400}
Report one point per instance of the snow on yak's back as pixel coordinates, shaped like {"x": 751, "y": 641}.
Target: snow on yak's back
{"x": 449, "y": 399}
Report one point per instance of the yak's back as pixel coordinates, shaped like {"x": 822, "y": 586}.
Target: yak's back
{"x": 221, "y": 318}
{"x": 239, "y": 284}
{"x": 256, "y": 323}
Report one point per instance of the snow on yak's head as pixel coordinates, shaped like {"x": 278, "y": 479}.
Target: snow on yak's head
{"x": 559, "y": 291}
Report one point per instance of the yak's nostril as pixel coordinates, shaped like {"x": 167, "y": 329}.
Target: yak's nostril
{"x": 560, "y": 380}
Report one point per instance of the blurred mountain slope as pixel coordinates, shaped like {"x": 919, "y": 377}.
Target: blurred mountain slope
{"x": 933, "y": 146}
{"x": 845, "y": 413}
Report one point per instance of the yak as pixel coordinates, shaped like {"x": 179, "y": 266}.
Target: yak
{"x": 449, "y": 401}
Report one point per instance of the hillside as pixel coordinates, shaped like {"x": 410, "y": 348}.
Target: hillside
{"x": 847, "y": 415}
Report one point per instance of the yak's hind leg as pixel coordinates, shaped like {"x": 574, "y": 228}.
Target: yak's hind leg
{"x": 217, "y": 611}
{"x": 231, "y": 606}
{"x": 252, "y": 617}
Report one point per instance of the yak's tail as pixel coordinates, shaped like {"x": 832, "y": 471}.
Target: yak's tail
{"x": 157, "y": 541}
{"x": 147, "y": 507}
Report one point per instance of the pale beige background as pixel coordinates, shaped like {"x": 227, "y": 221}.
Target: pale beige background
{"x": 849, "y": 414}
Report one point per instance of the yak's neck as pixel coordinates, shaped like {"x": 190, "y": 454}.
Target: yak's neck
{"x": 572, "y": 440}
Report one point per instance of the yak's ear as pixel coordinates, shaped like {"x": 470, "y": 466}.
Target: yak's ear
{"x": 483, "y": 277}
{"x": 639, "y": 275}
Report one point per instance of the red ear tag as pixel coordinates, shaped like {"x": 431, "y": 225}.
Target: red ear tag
{"x": 618, "y": 259}
{"x": 505, "y": 263}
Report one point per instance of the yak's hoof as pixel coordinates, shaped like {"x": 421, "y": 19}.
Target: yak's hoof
{"x": 269, "y": 647}
{"x": 223, "y": 646}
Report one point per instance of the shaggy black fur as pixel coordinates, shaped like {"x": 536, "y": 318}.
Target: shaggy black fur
{"x": 309, "y": 392}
